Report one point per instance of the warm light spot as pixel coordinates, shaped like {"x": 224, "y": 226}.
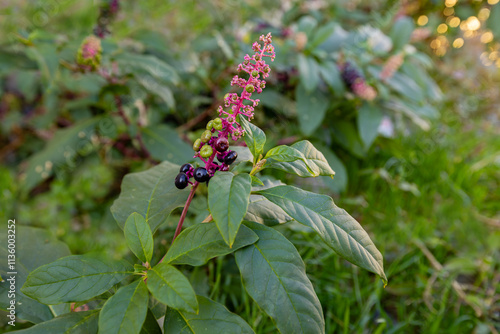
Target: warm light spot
{"x": 487, "y": 37}
{"x": 473, "y": 23}
{"x": 450, "y": 3}
{"x": 492, "y": 2}
{"x": 469, "y": 34}
{"x": 493, "y": 55}
{"x": 442, "y": 28}
{"x": 441, "y": 51}
{"x": 422, "y": 20}
{"x": 483, "y": 14}
{"x": 448, "y": 11}
{"x": 443, "y": 40}
{"x": 454, "y": 22}
{"x": 435, "y": 44}
{"x": 458, "y": 43}
{"x": 498, "y": 62}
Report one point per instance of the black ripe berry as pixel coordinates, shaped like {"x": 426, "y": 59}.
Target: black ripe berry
{"x": 230, "y": 157}
{"x": 181, "y": 181}
{"x": 185, "y": 168}
{"x": 222, "y": 144}
{"x": 201, "y": 174}
{"x": 220, "y": 157}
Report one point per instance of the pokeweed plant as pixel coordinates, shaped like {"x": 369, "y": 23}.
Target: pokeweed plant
{"x": 120, "y": 298}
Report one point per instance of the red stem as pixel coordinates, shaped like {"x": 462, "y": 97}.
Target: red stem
{"x": 183, "y": 215}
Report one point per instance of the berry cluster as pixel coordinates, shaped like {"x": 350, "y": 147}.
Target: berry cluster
{"x": 356, "y": 82}
{"x": 214, "y": 141}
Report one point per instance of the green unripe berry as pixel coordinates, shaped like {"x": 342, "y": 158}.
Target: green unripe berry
{"x": 257, "y": 57}
{"x": 218, "y": 126}
{"x": 206, "y": 151}
{"x": 255, "y": 73}
{"x": 210, "y": 125}
{"x": 197, "y": 144}
{"x": 250, "y": 88}
{"x": 206, "y": 135}
{"x": 217, "y": 121}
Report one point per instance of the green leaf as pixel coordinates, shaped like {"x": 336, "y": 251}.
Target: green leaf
{"x": 302, "y": 159}
{"x": 139, "y": 237}
{"x": 151, "y": 193}
{"x": 311, "y": 109}
{"x": 47, "y": 249}
{"x": 152, "y": 85}
{"x": 63, "y": 149}
{"x": 138, "y": 64}
{"x": 201, "y": 242}
{"x": 274, "y": 275}
{"x": 401, "y": 32}
{"x": 263, "y": 211}
{"x": 228, "y": 197}
{"x": 126, "y": 310}
{"x": 150, "y": 325}
{"x": 171, "y": 287}
{"x": 334, "y": 225}
{"x": 254, "y": 137}
{"x": 69, "y": 323}
{"x": 164, "y": 143}
{"x": 321, "y": 35}
{"x": 309, "y": 72}
{"x": 244, "y": 154}
{"x": 74, "y": 278}
{"x": 369, "y": 119}
{"x": 256, "y": 181}
{"x": 212, "y": 318}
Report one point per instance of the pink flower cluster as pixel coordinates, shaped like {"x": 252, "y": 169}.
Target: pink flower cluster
{"x": 240, "y": 104}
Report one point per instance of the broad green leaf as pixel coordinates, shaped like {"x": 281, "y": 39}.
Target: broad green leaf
{"x": 228, "y": 196}
{"x": 212, "y": 318}
{"x": 254, "y": 137}
{"x": 311, "y": 109}
{"x": 138, "y": 64}
{"x": 263, "y": 211}
{"x": 309, "y": 72}
{"x": 150, "y": 325}
{"x": 335, "y": 226}
{"x": 63, "y": 149}
{"x": 274, "y": 275}
{"x": 244, "y": 154}
{"x": 307, "y": 24}
{"x": 69, "y": 323}
{"x": 151, "y": 193}
{"x": 302, "y": 159}
{"x": 201, "y": 242}
{"x": 30, "y": 240}
{"x": 164, "y": 143}
{"x": 139, "y": 237}
{"x": 74, "y": 278}
{"x": 401, "y": 32}
{"x": 369, "y": 119}
{"x": 171, "y": 287}
{"x": 126, "y": 310}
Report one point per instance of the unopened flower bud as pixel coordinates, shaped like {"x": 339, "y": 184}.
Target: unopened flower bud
{"x": 89, "y": 54}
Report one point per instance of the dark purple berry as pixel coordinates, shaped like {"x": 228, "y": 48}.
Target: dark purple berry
{"x": 230, "y": 157}
{"x": 201, "y": 175}
{"x": 181, "y": 181}
{"x": 350, "y": 74}
{"x": 220, "y": 157}
{"x": 185, "y": 168}
{"x": 222, "y": 144}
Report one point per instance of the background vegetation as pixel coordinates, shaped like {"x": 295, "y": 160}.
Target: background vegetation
{"x": 418, "y": 164}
